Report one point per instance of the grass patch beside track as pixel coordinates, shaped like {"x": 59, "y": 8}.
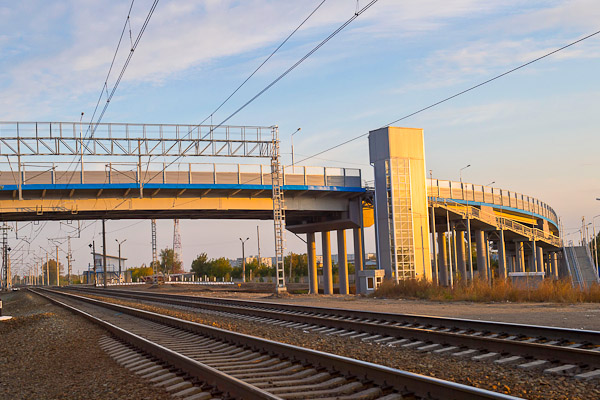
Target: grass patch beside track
{"x": 480, "y": 291}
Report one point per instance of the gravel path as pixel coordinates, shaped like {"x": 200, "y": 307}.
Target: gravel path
{"x": 527, "y": 384}
{"x": 47, "y": 352}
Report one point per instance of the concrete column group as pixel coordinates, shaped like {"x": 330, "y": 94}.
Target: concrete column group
{"x": 481, "y": 255}
{"x": 443, "y": 259}
{"x": 460, "y": 255}
{"x": 344, "y": 283}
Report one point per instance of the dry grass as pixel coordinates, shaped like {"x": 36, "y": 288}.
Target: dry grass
{"x": 500, "y": 291}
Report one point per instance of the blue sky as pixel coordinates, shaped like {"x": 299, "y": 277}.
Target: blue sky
{"x": 534, "y": 131}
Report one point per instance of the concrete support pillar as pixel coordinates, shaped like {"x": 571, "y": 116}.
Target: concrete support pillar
{"x": 342, "y": 261}
{"x": 481, "y": 255}
{"x": 442, "y": 259}
{"x": 358, "y": 256}
{"x": 531, "y": 264}
{"x": 488, "y": 259}
{"x": 327, "y": 268}
{"x": 311, "y": 252}
{"x": 460, "y": 255}
{"x": 520, "y": 257}
{"x": 554, "y": 262}
{"x": 540, "y": 259}
{"x": 502, "y": 267}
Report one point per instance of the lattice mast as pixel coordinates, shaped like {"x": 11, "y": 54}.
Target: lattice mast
{"x": 154, "y": 252}
{"x": 278, "y": 212}
{"x": 177, "y": 256}
{"x": 5, "y": 277}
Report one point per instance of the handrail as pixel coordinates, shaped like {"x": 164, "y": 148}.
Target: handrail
{"x": 486, "y": 194}
{"x": 568, "y": 265}
{"x": 206, "y": 173}
{"x": 576, "y": 269}
{"x": 504, "y": 222}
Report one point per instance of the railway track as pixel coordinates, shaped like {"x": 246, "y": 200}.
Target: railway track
{"x": 561, "y": 351}
{"x": 224, "y": 364}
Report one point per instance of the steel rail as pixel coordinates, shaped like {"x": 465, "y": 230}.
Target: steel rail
{"x": 540, "y": 351}
{"x": 225, "y": 383}
{"x": 524, "y": 330}
{"x": 403, "y": 381}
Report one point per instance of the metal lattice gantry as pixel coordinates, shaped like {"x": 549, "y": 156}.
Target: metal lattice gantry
{"x": 22, "y": 139}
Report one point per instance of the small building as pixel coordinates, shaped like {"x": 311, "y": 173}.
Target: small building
{"x": 112, "y": 269}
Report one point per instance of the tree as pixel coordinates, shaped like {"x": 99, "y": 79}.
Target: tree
{"x": 201, "y": 265}
{"x": 220, "y": 267}
{"x": 299, "y": 265}
{"x": 168, "y": 264}
{"x": 52, "y": 270}
{"x": 140, "y": 272}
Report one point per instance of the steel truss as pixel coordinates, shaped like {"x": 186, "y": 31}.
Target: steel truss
{"x": 28, "y": 139}
{"x": 113, "y": 139}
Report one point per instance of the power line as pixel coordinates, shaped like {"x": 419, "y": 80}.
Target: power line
{"x": 105, "y": 86}
{"x": 262, "y": 64}
{"x": 290, "y": 69}
{"x": 126, "y": 64}
{"x": 251, "y": 75}
{"x": 456, "y": 95}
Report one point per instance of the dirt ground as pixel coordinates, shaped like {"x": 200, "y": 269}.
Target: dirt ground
{"x": 575, "y": 316}
{"x": 47, "y": 352}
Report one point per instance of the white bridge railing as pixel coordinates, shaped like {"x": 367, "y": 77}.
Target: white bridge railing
{"x": 486, "y": 194}
{"x": 184, "y": 173}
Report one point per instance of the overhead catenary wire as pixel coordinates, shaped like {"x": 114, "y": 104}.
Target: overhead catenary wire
{"x": 456, "y": 94}
{"x": 126, "y": 64}
{"x": 262, "y": 64}
{"x": 283, "y": 75}
{"x": 249, "y": 76}
{"x": 105, "y": 84}
{"x": 117, "y": 82}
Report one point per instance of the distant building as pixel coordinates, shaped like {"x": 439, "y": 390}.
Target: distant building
{"x": 268, "y": 261}
{"x": 112, "y": 268}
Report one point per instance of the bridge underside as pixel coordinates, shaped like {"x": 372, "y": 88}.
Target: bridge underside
{"x": 304, "y": 204}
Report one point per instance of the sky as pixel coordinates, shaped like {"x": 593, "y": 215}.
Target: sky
{"x": 534, "y": 131}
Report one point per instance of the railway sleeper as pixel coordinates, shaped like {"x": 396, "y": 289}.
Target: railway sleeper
{"x": 311, "y": 379}
{"x": 266, "y": 372}
{"x": 177, "y": 384}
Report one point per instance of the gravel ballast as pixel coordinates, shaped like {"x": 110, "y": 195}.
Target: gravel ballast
{"x": 47, "y": 352}
{"x": 486, "y": 375}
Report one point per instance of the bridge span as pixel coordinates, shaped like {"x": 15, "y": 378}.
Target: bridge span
{"x": 424, "y": 227}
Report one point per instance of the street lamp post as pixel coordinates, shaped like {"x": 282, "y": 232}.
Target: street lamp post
{"x": 468, "y": 223}
{"x": 120, "y": 243}
{"x": 292, "y": 138}
{"x": 243, "y": 259}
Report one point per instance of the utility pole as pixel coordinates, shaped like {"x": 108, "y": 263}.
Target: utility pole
{"x": 243, "y": 259}
{"x": 69, "y": 260}
{"x": 177, "y": 256}
{"x": 154, "y": 253}
{"x": 57, "y": 269}
{"x": 120, "y": 243}
{"x": 93, "y": 247}
{"x": 47, "y": 271}
{"x": 104, "y": 253}
{"x": 258, "y": 240}
{"x": 5, "y": 273}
